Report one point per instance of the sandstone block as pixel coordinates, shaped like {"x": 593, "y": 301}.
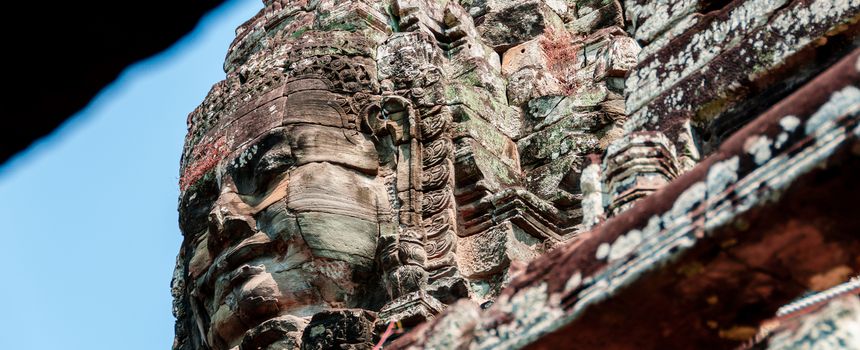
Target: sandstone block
{"x": 494, "y": 250}
{"x": 518, "y": 23}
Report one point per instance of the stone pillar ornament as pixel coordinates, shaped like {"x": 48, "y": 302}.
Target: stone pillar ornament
{"x": 635, "y": 166}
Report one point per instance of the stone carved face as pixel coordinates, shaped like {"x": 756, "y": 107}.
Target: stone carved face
{"x": 381, "y": 156}
{"x": 294, "y": 227}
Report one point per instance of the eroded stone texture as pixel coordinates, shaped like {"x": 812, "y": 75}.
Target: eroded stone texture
{"x": 707, "y": 67}
{"x": 705, "y": 70}
{"x": 706, "y": 258}
{"x": 369, "y": 162}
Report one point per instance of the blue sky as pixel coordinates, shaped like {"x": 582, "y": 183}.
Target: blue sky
{"x": 89, "y": 222}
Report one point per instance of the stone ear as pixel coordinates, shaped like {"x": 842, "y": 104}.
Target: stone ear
{"x": 396, "y": 107}
{"x": 373, "y": 119}
{"x": 195, "y": 203}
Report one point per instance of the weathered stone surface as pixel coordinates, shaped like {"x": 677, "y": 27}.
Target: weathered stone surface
{"x": 635, "y": 166}
{"x": 494, "y": 250}
{"x": 591, "y": 185}
{"x": 595, "y": 15}
{"x": 576, "y": 132}
{"x": 411, "y": 309}
{"x": 283, "y": 332}
{"x": 704, "y": 259}
{"x": 339, "y": 329}
{"x": 652, "y": 18}
{"x": 517, "y": 23}
{"x": 353, "y": 157}
{"x": 399, "y": 157}
{"x": 706, "y": 77}
{"x": 478, "y": 165}
{"x": 527, "y": 54}
{"x": 530, "y": 83}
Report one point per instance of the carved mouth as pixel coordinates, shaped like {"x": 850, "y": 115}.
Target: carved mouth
{"x": 233, "y": 259}
{"x": 232, "y": 268}
{"x": 275, "y": 329}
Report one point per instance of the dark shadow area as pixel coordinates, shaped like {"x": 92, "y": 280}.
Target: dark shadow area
{"x": 66, "y": 52}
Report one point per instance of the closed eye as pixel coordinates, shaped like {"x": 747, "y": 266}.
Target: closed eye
{"x": 266, "y": 160}
{"x": 271, "y": 165}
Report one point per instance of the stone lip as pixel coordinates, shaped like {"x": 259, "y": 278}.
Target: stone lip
{"x": 712, "y": 254}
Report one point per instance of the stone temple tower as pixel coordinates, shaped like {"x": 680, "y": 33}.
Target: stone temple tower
{"x": 369, "y": 165}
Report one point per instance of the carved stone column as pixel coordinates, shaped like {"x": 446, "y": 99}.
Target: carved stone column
{"x": 635, "y": 166}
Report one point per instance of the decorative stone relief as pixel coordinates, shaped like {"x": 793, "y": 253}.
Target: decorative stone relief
{"x": 366, "y": 163}
{"x": 372, "y": 163}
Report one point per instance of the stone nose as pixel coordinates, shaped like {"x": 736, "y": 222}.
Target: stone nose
{"x": 229, "y": 222}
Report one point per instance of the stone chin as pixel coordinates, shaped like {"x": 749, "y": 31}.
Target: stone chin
{"x": 262, "y": 287}
{"x": 270, "y": 290}
{"x": 254, "y": 295}
{"x": 251, "y": 301}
